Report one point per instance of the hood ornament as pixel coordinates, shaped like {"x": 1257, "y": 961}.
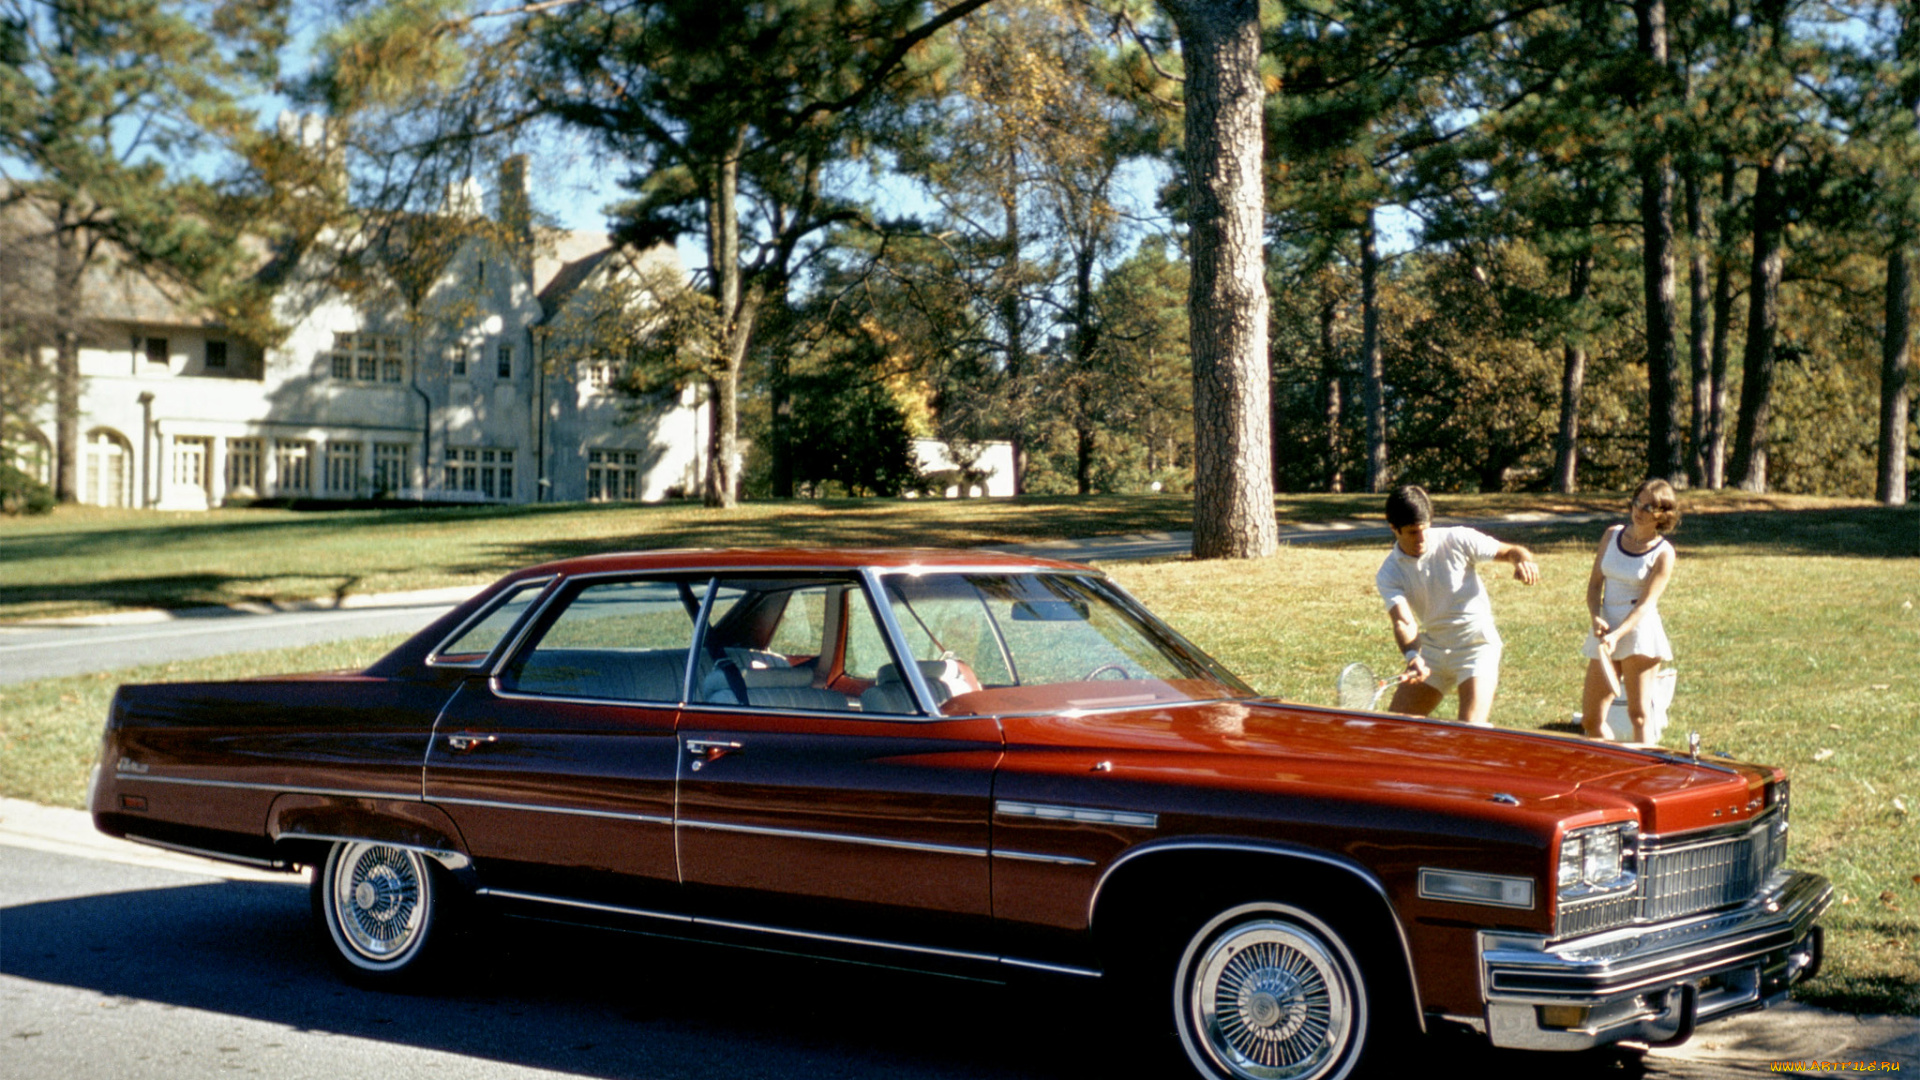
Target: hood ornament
{"x": 1693, "y": 746}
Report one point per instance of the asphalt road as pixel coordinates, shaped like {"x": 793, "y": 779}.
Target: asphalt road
{"x": 156, "y": 966}
{"x": 40, "y": 650}
{"x": 43, "y": 650}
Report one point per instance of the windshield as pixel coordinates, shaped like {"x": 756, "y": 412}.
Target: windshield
{"x": 992, "y": 643}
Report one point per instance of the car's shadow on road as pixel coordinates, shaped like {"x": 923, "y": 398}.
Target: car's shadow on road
{"x": 609, "y": 1005}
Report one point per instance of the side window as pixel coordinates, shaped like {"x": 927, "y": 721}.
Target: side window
{"x": 476, "y": 642}
{"x": 613, "y": 640}
{"x": 867, "y": 650}
{"x": 795, "y": 642}
{"x": 802, "y": 625}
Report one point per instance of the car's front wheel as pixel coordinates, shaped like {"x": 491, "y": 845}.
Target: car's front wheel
{"x": 381, "y": 909}
{"x": 1267, "y": 991}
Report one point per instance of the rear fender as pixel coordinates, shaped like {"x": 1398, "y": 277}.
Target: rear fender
{"x": 304, "y": 826}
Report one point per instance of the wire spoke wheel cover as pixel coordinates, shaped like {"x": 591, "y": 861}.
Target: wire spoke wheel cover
{"x": 1270, "y": 998}
{"x": 378, "y": 903}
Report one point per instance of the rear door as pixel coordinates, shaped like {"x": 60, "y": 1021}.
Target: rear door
{"x": 559, "y": 765}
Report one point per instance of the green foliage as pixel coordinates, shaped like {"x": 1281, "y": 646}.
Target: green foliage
{"x": 21, "y": 493}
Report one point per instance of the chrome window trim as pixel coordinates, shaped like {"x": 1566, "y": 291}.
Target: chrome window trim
{"x": 510, "y": 640}
{"x": 519, "y": 642}
{"x": 915, "y": 682}
{"x": 493, "y": 687}
{"x": 837, "y": 838}
{"x": 831, "y": 714}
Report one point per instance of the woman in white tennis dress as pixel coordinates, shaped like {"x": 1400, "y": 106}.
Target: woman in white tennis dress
{"x": 1630, "y": 571}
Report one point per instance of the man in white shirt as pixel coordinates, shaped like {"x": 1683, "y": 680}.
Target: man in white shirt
{"x": 1441, "y": 617}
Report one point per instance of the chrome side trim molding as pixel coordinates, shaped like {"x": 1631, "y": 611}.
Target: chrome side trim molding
{"x": 1056, "y": 969}
{"x": 1250, "y": 847}
{"x": 452, "y": 860}
{"x": 789, "y": 932}
{"x": 209, "y": 853}
{"x": 836, "y": 838}
{"x": 841, "y": 939}
{"x": 1034, "y": 856}
{"x": 281, "y": 789}
{"x": 1086, "y": 814}
{"x": 534, "y": 808}
{"x": 609, "y": 909}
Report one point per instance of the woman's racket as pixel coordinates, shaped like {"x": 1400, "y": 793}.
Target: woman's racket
{"x": 1356, "y": 688}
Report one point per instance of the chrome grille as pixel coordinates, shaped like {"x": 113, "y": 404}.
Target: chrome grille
{"x": 1677, "y": 878}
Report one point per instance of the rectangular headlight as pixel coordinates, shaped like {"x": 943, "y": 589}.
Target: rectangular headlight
{"x": 1597, "y": 860}
{"x": 1601, "y": 859}
{"x": 1468, "y": 888}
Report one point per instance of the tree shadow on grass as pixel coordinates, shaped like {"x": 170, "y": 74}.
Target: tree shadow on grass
{"x": 1853, "y": 532}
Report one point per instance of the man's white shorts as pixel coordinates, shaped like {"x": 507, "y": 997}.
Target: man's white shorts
{"x": 1448, "y": 668}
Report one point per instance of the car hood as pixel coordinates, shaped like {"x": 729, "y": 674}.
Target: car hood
{"x": 1440, "y": 765}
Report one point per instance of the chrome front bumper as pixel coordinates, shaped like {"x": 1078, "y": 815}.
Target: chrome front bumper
{"x": 1652, "y": 983}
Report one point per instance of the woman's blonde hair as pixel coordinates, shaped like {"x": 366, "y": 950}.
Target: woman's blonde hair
{"x": 1664, "y": 504}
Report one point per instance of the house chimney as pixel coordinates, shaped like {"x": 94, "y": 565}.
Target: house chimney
{"x": 516, "y": 214}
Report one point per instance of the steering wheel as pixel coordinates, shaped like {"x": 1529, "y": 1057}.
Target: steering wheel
{"x": 1111, "y": 665}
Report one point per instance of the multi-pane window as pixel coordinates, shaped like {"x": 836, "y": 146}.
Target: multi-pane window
{"x": 480, "y": 470}
{"x": 368, "y": 358}
{"x": 598, "y": 374}
{"x": 243, "y": 465}
{"x": 389, "y": 467}
{"x": 505, "y": 357}
{"x": 343, "y": 467}
{"x": 293, "y": 461}
{"x": 613, "y": 475}
{"x": 190, "y": 462}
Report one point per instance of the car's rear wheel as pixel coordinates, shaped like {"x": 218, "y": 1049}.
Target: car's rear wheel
{"x": 1266, "y": 991}
{"x": 381, "y": 909}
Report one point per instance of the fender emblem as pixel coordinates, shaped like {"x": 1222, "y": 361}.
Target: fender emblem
{"x": 128, "y": 765}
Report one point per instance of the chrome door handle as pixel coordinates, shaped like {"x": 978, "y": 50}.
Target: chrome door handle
{"x": 709, "y": 750}
{"x": 463, "y": 743}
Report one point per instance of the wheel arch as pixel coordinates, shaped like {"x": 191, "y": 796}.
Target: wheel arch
{"x": 303, "y": 827}
{"x": 1138, "y": 889}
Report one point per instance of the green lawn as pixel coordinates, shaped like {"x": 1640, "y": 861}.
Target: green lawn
{"x": 1796, "y": 634}
{"x": 85, "y": 560}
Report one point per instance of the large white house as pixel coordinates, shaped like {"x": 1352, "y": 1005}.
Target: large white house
{"x": 457, "y": 396}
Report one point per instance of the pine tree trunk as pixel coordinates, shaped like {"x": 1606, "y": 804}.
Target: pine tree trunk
{"x": 1722, "y": 334}
{"x": 1890, "y": 486}
{"x": 68, "y": 267}
{"x": 1013, "y": 322}
{"x": 1227, "y": 299}
{"x": 723, "y": 255}
{"x": 1656, "y": 230}
{"x": 1573, "y": 377}
{"x": 1370, "y": 359}
{"x": 1330, "y": 387}
{"x": 1698, "y": 333}
{"x": 1749, "y": 469}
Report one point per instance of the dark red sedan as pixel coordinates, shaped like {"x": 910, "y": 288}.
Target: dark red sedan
{"x": 979, "y": 764}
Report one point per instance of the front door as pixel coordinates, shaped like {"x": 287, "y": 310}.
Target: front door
{"x": 815, "y": 799}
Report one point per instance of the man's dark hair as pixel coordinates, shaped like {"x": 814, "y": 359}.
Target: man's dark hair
{"x": 1408, "y": 505}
